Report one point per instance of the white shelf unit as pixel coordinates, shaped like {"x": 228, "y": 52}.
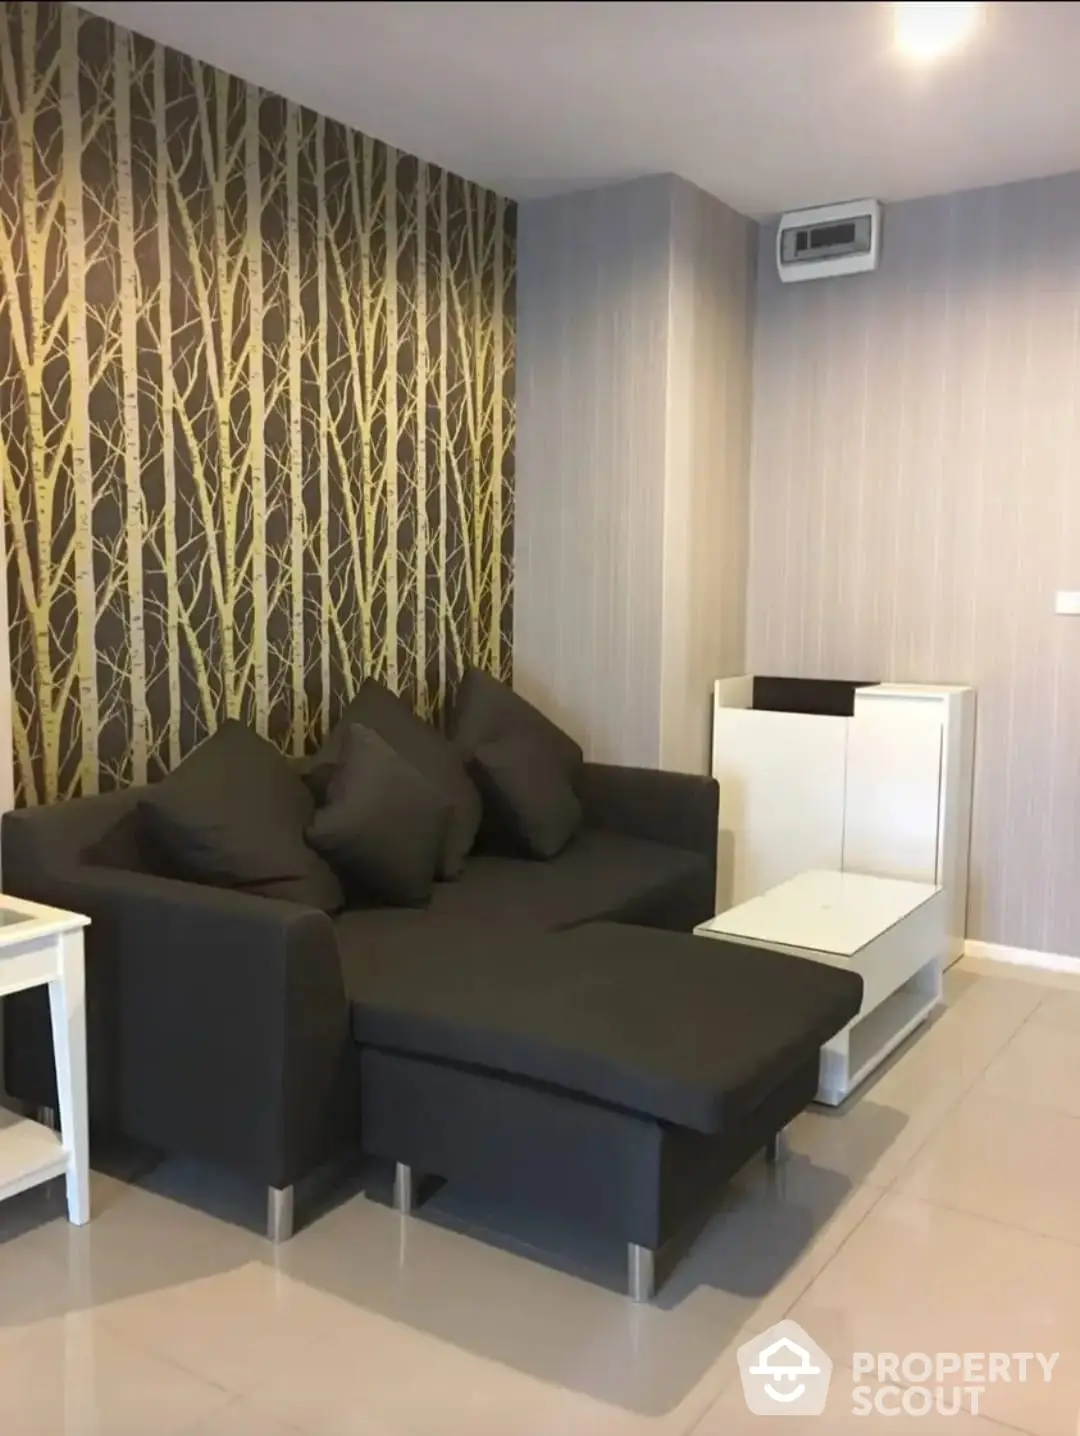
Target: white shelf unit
{"x": 885, "y": 791}
{"x": 30, "y": 1153}
{"x": 43, "y": 947}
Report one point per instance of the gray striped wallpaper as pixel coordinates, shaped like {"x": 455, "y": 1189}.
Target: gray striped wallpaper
{"x": 593, "y": 281}
{"x": 633, "y": 381}
{"x": 708, "y": 455}
{"x": 916, "y": 501}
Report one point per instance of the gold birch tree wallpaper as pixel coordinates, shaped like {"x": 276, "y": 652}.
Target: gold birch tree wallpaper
{"x": 256, "y": 409}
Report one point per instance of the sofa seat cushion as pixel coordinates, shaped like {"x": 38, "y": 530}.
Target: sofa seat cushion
{"x": 380, "y": 934}
{"x": 599, "y": 875}
{"x": 372, "y": 941}
{"x": 679, "y": 1028}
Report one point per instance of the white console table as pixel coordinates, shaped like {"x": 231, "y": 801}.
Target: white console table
{"x": 885, "y": 790}
{"x": 43, "y": 946}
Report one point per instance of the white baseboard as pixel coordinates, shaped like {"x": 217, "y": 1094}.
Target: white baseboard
{"x": 1022, "y": 956}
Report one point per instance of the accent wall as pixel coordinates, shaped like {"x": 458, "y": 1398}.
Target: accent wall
{"x": 256, "y": 409}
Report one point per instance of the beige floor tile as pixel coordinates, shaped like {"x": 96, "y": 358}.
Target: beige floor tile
{"x": 988, "y": 970}
{"x": 730, "y": 1417}
{"x": 980, "y": 1016}
{"x": 532, "y": 1296}
{"x": 1041, "y": 1064}
{"x": 512, "y": 1343}
{"x": 244, "y": 1417}
{"x": 138, "y": 1239}
{"x": 774, "y": 1306}
{"x": 236, "y": 1328}
{"x": 819, "y": 1213}
{"x": 915, "y": 1277}
{"x": 877, "y": 1132}
{"x": 143, "y": 1239}
{"x": 48, "y": 1265}
{"x": 382, "y": 1375}
{"x": 1004, "y": 1160}
{"x": 74, "y": 1377}
{"x": 874, "y": 1137}
{"x": 1061, "y": 1009}
{"x": 34, "y": 1283}
{"x": 510, "y": 1332}
{"x": 972, "y": 976}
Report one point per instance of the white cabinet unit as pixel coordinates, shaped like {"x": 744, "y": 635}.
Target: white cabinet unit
{"x": 883, "y": 788}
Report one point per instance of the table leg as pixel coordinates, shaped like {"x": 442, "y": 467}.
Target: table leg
{"x": 67, "y": 1005}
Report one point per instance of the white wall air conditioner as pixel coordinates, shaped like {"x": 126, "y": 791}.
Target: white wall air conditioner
{"x": 829, "y": 240}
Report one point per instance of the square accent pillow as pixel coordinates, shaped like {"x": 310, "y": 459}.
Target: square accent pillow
{"x": 233, "y": 815}
{"x": 527, "y": 794}
{"x": 383, "y": 823}
{"x": 488, "y": 714}
{"x": 425, "y": 749}
{"x": 485, "y": 710}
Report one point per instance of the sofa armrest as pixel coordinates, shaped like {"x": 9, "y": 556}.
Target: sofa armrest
{"x": 680, "y": 810}
{"x": 218, "y": 1022}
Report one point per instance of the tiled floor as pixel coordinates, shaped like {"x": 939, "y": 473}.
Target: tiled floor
{"x": 940, "y": 1211}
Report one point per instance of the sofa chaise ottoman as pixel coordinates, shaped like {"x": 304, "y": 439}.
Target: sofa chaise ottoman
{"x": 620, "y": 1075}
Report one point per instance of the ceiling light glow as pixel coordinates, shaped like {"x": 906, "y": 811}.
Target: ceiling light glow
{"x": 929, "y": 31}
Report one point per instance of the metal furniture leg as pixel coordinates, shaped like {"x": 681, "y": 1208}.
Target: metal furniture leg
{"x": 641, "y": 1271}
{"x": 280, "y": 1213}
{"x": 403, "y": 1188}
{"x": 777, "y": 1149}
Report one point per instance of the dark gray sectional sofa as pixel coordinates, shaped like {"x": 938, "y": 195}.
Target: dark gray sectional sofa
{"x": 218, "y": 1020}
{"x": 546, "y": 1028}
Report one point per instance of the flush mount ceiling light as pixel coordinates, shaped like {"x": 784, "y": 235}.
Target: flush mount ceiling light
{"x": 926, "y": 32}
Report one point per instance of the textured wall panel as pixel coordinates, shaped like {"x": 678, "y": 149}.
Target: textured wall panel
{"x": 916, "y": 501}
{"x": 708, "y": 467}
{"x": 632, "y": 464}
{"x": 593, "y": 304}
{"x": 256, "y": 408}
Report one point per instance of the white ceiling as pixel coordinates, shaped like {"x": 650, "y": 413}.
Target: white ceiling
{"x": 769, "y": 106}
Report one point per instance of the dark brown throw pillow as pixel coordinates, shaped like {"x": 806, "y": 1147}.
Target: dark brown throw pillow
{"x": 422, "y": 746}
{"x": 485, "y": 710}
{"x": 382, "y": 824}
{"x": 527, "y": 795}
{"x": 233, "y": 815}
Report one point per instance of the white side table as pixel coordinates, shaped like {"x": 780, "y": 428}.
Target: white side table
{"x": 893, "y": 933}
{"x": 43, "y": 946}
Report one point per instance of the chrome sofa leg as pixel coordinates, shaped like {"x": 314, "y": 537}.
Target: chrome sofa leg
{"x": 403, "y": 1188}
{"x": 777, "y": 1148}
{"x": 641, "y": 1271}
{"x": 280, "y": 1213}
{"x": 47, "y": 1117}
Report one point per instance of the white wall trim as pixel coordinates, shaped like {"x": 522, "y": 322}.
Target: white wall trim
{"x": 1022, "y": 956}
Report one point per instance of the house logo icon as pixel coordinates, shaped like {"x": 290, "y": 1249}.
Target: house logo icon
{"x": 784, "y": 1372}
